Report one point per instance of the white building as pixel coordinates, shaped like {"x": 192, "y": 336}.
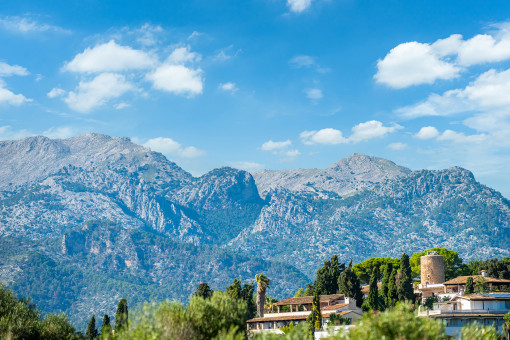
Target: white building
{"x": 485, "y": 309}
{"x": 297, "y": 309}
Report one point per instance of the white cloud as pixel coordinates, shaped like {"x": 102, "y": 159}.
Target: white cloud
{"x": 56, "y": 92}
{"x": 397, "y": 146}
{"x": 109, "y": 57}
{"x": 7, "y": 70}
{"x": 292, "y": 153}
{"x": 298, "y": 6}
{"x": 147, "y": 34}
{"x": 484, "y": 48}
{"x": 488, "y": 92}
{"x": 371, "y": 129}
{"x": 360, "y": 132}
{"x": 177, "y": 79}
{"x": 27, "y": 25}
{"x": 314, "y": 93}
{"x": 427, "y": 132}
{"x": 91, "y": 94}
{"x": 169, "y": 148}
{"x": 121, "y": 106}
{"x": 459, "y": 137}
{"x": 302, "y": 61}
{"x": 413, "y": 63}
{"x": 247, "y": 166}
{"x": 8, "y": 97}
{"x": 182, "y": 55}
{"x": 325, "y": 136}
{"x": 270, "y": 145}
{"x": 228, "y": 87}
{"x": 6, "y": 133}
{"x": 59, "y": 132}
{"x": 174, "y": 77}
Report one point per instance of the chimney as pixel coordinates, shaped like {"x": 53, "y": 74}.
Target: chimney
{"x": 484, "y": 273}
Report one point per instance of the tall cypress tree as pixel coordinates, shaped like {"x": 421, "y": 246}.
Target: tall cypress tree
{"x": 470, "y": 288}
{"x": 106, "y": 328}
{"x": 121, "y": 317}
{"x": 405, "y": 289}
{"x": 91, "y": 333}
{"x": 373, "y": 293}
{"x": 349, "y": 285}
{"x": 392, "y": 296}
{"x": 315, "y": 317}
{"x": 385, "y": 282}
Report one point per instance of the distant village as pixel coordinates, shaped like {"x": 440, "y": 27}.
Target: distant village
{"x": 454, "y": 303}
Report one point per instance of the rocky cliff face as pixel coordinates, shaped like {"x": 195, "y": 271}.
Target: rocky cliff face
{"x": 359, "y": 207}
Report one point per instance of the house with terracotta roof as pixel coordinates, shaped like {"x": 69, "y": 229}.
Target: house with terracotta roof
{"x": 297, "y": 309}
{"x": 458, "y": 284}
{"x": 484, "y": 309}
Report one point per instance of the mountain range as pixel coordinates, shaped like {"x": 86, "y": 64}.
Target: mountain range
{"x": 86, "y": 220}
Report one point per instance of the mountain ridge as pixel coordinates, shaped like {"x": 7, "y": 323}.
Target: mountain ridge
{"x": 358, "y": 207}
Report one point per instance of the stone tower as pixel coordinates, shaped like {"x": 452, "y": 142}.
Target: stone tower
{"x": 432, "y": 268}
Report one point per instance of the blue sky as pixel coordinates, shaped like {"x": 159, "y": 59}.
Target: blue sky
{"x": 271, "y": 84}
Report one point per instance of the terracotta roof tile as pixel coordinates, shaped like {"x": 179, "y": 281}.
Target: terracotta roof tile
{"x": 307, "y": 300}
{"x": 462, "y": 280}
{"x": 334, "y": 307}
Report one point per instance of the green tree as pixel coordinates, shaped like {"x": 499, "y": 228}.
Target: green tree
{"x": 300, "y": 293}
{"x": 245, "y": 293}
{"x": 309, "y": 290}
{"x": 121, "y": 317}
{"x": 327, "y": 276}
{"x": 315, "y": 318}
{"x": 405, "y": 289}
{"x": 398, "y": 323}
{"x": 262, "y": 286}
{"x": 106, "y": 328}
{"x": 469, "y": 286}
{"x": 91, "y": 333}
{"x": 364, "y": 269}
{"x": 219, "y": 313}
{"x": 453, "y": 266}
{"x": 337, "y": 320}
{"x": 349, "y": 285}
{"x": 506, "y": 325}
{"x": 204, "y": 291}
{"x": 373, "y": 293}
{"x": 476, "y": 331}
{"x": 58, "y": 327}
{"x": 481, "y": 285}
{"x": 392, "y": 296}
{"x": 385, "y": 284}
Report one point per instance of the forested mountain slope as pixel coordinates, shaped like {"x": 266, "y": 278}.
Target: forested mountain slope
{"x": 162, "y": 230}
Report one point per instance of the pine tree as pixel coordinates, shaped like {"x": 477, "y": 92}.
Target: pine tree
{"x": 392, "y": 296}
{"x": 121, "y": 317}
{"x": 405, "y": 289}
{"x": 385, "y": 283}
{"x": 91, "y": 333}
{"x": 204, "y": 291}
{"x": 373, "y": 293}
{"x": 327, "y": 276}
{"x": 106, "y": 328}
{"x": 349, "y": 285}
{"x": 469, "y": 286}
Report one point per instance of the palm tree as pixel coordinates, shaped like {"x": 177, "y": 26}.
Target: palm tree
{"x": 262, "y": 285}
